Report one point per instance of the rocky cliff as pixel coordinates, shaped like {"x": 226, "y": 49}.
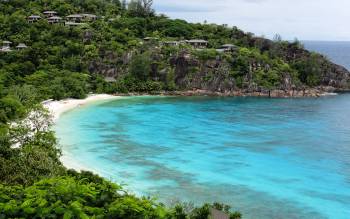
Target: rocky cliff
{"x": 215, "y": 76}
{"x": 293, "y": 71}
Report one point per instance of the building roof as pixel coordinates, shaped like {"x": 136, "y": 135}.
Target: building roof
{"x": 197, "y": 41}
{"x": 228, "y": 45}
{"x": 34, "y": 16}
{"x": 21, "y": 45}
{"x": 150, "y": 38}
{"x": 216, "y": 214}
{"x": 55, "y": 18}
{"x": 49, "y": 12}
{"x": 89, "y": 15}
{"x": 74, "y": 16}
{"x": 6, "y": 42}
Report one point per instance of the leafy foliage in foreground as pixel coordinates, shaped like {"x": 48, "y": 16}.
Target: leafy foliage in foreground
{"x": 29, "y": 151}
{"x": 70, "y": 197}
{"x": 87, "y": 196}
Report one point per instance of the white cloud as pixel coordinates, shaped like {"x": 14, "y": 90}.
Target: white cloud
{"x": 304, "y": 19}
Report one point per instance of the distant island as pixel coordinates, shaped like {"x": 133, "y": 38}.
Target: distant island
{"x": 68, "y": 49}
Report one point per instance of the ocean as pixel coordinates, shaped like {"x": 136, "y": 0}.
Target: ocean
{"x": 268, "y": 158}
{"x": 338, "y": 52}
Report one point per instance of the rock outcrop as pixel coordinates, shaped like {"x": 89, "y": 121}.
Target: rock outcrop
{"x": 215, "y": 75}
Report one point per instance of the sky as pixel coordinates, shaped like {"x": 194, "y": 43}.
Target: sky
{"x": 327, "y": 20}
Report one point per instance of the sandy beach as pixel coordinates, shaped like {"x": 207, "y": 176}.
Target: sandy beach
{"x": 57, "y": 108}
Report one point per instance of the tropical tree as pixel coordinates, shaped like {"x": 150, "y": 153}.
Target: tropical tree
{"x": 141, "y": 8}
{"x": 140, "y": 66}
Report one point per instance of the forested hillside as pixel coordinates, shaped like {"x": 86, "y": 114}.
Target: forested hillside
{"x": 70, "y": 61}
{"x": 113, "y": 47}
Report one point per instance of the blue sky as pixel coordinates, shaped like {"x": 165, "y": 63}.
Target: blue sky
{"x": 302, "y": 19}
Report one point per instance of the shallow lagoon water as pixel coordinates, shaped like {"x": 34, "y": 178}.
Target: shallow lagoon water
{"x": 268, "y": 158}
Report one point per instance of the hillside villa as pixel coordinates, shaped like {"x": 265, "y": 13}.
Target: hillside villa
{"x": 33, "y": 18}
{"x": 227, "y": 48}
{"x": 54, "y": 20}
{"x": 21, "y": 46}
{"x": 70, "y": 20}
{"x": 6, "y": 46}
{"x": 198, "y": 44}
{"x": 50, "y": 13}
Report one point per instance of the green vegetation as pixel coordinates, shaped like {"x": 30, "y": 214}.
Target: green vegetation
{"x": 64, "y": 61}
{"x": 71, "y": 61}
{"x": 84, "y": 195}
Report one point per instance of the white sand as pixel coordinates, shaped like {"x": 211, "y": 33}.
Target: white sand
{"x": 57, "y": 108}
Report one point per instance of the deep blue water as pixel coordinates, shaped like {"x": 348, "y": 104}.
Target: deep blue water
{"x": 338, "y": 52}
{"x": 268, "y": 158}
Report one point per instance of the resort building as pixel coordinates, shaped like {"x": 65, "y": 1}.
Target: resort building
{"x": 198, "y": 44}
{"x": 50, "y": 13}
{"x": 89, "y": 17}
{"x": 74, "y": 18}
{"x": 6, "y": 43}
{"x": 54, "y": 20}
{"x": 171, "y": 43}
{"x": 21, "y": 46}
{"x": 33, "y": 18}
{"x": 78, "y": 19}
{"x": 227, "y": 48}
{"x": 6, "y": 46}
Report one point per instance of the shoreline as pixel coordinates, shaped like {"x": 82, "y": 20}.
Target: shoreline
{"x": 57, "y": 108}
{"x": 307, "y": 93}
{"x": 314, "y": 92}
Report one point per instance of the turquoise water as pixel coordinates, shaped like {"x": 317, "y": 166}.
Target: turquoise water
{"x": 268, "y": 158}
